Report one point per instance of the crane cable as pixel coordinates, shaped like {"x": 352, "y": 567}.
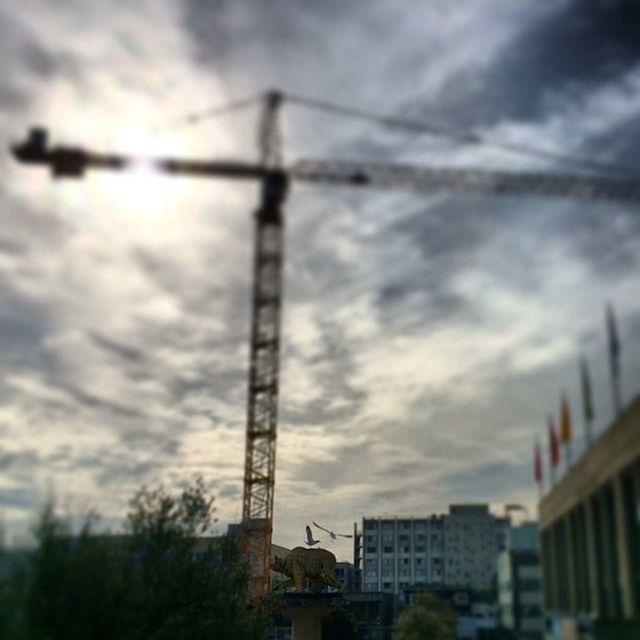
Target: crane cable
{"x": 195, "y": 117}
{"x": 460, "y": 135}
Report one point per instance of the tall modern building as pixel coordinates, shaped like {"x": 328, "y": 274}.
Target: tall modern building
{"x": 459, "y": 549}
{"x": 590, "y": 529}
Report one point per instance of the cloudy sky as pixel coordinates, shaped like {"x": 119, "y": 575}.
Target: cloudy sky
{"x": 425, "y": 338}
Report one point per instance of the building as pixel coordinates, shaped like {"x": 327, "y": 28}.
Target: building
{"x": 458, "y": 549}
{"x": 590, "y": 533}
{"x": 520, "y": 585}
{"x": 473, "y": 539}
{"x": 345, "y": 572}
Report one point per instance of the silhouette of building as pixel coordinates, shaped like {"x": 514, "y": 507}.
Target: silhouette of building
{"x": 459, "y": 549}
{"x": 590, "y": 533}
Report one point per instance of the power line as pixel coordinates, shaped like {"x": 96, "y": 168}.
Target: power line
{"x": 460, "y": 135}
{"x": 195, "y": 117}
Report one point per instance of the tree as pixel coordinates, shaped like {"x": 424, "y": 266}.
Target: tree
{"x": 339, "y": 625}
{"x": 428, "y": 618}
{"x": 164, "y": 578}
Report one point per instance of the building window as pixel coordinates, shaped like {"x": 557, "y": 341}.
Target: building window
{"x": 405, "y": 561}
{"x": 387, "y": 549}
{"x": 372, "y": 550}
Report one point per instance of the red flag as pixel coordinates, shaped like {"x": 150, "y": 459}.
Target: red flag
{"x": 554, "y": 446}
{"x": 537, "y": 463}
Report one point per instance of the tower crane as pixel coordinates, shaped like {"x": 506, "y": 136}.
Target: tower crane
{"x": 274, "y": 176}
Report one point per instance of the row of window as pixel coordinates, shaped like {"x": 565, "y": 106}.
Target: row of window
{"x": 372, "y": 549}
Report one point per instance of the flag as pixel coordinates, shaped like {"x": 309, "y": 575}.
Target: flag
{"x": 537, "y": 464}
{"x": 614, "y": 342}
{"x": 587, "y": 398}
{"x": 565, "y": 421}
{"x": 554, "y": 447}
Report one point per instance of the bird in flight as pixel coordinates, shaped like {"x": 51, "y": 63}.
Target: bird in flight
{"x": 310, "y": 541}
{"x": 332, "y": 534}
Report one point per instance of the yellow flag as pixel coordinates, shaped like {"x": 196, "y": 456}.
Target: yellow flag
{"x": 565, "y": 421}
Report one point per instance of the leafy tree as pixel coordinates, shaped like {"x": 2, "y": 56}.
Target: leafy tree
{"x": 428, "y": 618}
{"x": 163, "y": 579}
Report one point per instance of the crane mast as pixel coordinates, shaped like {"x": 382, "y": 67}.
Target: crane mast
{"x": 264, "y": 358}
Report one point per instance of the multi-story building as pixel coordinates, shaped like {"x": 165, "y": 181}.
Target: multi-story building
{"x": 473, "y": 539}
{"x": 459, "y": 549}
{"x": 590, "y": 534}
{"x": 519, "y": 584}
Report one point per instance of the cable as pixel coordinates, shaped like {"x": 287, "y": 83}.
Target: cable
{"x": 196, "y": 117}
{"x": 460, "y": 135}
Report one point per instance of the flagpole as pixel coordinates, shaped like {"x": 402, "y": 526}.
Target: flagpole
{"x": 587, "y": 401}
{"x": 554, "y": 452}
{"x": 614, "y": 360}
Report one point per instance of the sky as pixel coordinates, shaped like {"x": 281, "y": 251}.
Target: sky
{"x": 426, "y": 338}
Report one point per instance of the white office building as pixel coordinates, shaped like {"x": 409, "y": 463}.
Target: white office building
{"x": 459, "y": 549}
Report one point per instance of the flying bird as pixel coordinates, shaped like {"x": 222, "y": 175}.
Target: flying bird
{"x": 332, "y": 534}
{"x": 310, "y": 541}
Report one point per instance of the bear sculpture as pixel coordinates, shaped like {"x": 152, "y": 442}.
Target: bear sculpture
{"x": 316, "y": 565}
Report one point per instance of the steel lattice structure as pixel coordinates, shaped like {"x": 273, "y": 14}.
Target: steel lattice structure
{"x": 264, "y": 367}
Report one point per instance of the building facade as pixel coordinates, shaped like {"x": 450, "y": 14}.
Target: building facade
{"x": 590, "y": 533}
{"x": 459, "y": 549}
{"x": 520, "y": 584}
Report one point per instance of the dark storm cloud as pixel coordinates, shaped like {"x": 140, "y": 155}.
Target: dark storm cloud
{"x": 220, "y": 28}
{"x": 584, "y": 43}
{"x": 123, "y": 351}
